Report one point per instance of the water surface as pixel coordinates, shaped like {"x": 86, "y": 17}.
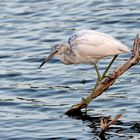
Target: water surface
{"x": 32, "y": 100}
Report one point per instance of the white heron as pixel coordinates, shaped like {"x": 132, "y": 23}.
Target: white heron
{"x": 88, "y": 46}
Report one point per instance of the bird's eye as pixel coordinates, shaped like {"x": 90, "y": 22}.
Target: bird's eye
{"x": 55, "y": 48}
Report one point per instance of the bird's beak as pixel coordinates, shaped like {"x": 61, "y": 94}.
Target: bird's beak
{"x": 48, "y": 58}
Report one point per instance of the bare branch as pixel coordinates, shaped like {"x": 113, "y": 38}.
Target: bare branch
{"x": 105, "y": 123}
{"x": 109, "y": 80}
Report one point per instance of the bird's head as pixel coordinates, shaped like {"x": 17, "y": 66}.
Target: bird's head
{"x": 57, "y": 49}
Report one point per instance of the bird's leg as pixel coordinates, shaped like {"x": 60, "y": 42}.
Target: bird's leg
{"x": 105, "y": 72}
{"x": 99, "y": 78}
{"x": 98, "y": 74}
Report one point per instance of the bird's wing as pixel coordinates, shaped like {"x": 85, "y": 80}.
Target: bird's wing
{"x": 93, "y": 42}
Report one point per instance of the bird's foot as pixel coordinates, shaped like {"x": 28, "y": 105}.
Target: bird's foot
{"x": 83, "y": 104}
{"x": 76, "y": 106}
{"x": 108, "y": 77}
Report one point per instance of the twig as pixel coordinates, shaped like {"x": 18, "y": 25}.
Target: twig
{"x": 109, "y": 80}
{"x": 105, "y": 123}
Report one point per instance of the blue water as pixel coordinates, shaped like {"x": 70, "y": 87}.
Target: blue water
{"x": 33, "y": 101}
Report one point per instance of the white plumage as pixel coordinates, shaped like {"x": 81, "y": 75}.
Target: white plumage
{"x": 87, "y": 46}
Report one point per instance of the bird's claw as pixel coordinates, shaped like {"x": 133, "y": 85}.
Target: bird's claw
{"x": 76, "y": 106}
{"x": 84, "y": 103}
{"x": 108, "y": 77}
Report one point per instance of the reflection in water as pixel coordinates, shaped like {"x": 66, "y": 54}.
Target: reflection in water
{"x": 119, "y": 129}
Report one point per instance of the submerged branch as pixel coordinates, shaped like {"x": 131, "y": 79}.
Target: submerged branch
{"x": 109, "y": 80}
{"x": 105, "y": 123}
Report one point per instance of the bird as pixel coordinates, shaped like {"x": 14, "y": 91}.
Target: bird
{"x": 88, "y": 46}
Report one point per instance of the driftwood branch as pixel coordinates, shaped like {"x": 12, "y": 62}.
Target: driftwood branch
{"x": 109, "y": 80}
{"x": 105, "y": 123}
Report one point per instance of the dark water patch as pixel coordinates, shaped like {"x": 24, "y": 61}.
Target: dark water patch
{"x": 19, "y": 36}
{"x": 27, "y": 99}
{"x": 136, "y": 126}
{"x": 50, "y": 40}
{"x": 4, "y": 56}
{"x": 110, "y": 22}
{"x": 74, "y": 81}
{"x": 29, "y": 138}
{"x": 8, "y": 75}
{"x": 8, "y": 103}
{"x": 24, "y": 13}
{"x": 28, "y": 89}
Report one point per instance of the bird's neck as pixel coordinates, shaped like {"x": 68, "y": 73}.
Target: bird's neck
{"x": 67, "y": 57}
